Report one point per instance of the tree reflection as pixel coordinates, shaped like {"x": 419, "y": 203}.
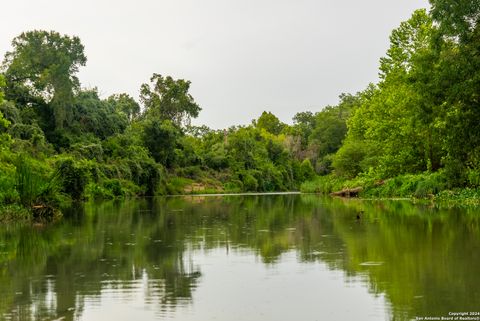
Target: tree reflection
{"x": 422, "y": 259}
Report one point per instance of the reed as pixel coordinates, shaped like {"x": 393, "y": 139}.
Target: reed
{"x": 27, "y": 183}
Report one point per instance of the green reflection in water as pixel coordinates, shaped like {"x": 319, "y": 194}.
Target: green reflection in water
{"x": 425, "y": 261}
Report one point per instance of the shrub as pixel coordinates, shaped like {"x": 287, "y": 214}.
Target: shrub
{"x": 324, "y": 165}
{"x": 177, "y": 185}
{"x": 455, "y": 172}
{"x": 115, "y": 187}
{"x": 8, "y": 193}
{"x": 307, "y": 171}
{"x": 348, "y": 159}
{"x": 150, "y": 177}
{"x": 234, "y": 186}
{"x": 431, "y": 184}
{"x": 250, "y": 183}
{"x": 88, "y": 151}
{"x": 73, "y": 177}
{"x": 323, "y": 184}
{"x": 95, "y": 191}
{"x": 473, "y": 177}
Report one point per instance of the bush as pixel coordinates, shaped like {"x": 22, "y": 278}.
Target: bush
{"x": 323, "y": 185}
{"x": 115, "y": 187}
{"x": 324, "y": 165}
{"x": 8, "y": 193}
{"x": 150, "y": 177}
{"x": 473, "y": 177}
{"x": 234, "y": 186}
{"x": 73, "y": 177}
{"x": 192, "y": 172}
{"x": 307, "y": 171}
{"x": 250, "y": 183}
{"x": 418, "y": 185}
{"x": 94, "y": 191}
{"x": 111, "y": 189}
{"x": 455, "y": 172}
{"x": 348, "y": 159}
{"x": 431, "y": 184}
{"x": 177, "y": 185}
{"x": 89, "y": 151}
{"x": 10, "y": 112}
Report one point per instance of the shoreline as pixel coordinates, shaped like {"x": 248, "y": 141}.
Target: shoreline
{"x": 15, "y": 213}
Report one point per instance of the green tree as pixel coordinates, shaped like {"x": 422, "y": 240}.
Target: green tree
{"x": 270, "y": 123}
{"x": 4, "y": 123}
{"x": 306, "y": 169}
{"x": 458, "y": 18}
{"x": 169, "y": 99}
{"x": 331, "y": 125}
{"x": 125, "y": 104}
{"x": 304, "y": 124}
{"x": 2, "y": 85}
{"x": 161, "y": 139}
{"x": 42, "y": 67}
{"x": 96, "y": 116}
{"x": 457, "y": 82}
{"x": 394, "y": 126}
{"x": 407, "y": 41}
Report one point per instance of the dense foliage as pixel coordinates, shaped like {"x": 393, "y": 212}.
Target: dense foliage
{"x": 420, "y": 123}
{"x": 420, "y": 119}
{"x": 61, "y": 143}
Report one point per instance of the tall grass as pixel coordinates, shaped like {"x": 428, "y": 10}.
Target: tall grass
{"x": 39, "y": 193}
{"x": 421, "y": 185}
{"x": 27, "y": 183}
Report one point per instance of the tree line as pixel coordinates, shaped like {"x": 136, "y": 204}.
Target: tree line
{"x": 416, "y": 130}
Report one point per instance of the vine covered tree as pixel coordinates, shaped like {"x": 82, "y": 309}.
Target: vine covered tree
{"x": 168, "y": 99}
{"x": 41, "y": 69}
{"x": 125, "y": 104}
{"x": 458, "y": 18}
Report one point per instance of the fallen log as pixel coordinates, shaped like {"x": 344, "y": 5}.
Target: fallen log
{"x": 347, "y": 192}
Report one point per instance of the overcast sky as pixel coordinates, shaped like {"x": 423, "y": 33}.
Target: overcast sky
{"x": 242, "y": 56}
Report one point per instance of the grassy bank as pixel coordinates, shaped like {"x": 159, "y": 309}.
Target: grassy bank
{"x": 40, "y": 188}
{"x": 425, "y": 186}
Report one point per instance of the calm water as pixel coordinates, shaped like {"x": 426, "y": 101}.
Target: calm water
{"x": 272, "y": 257}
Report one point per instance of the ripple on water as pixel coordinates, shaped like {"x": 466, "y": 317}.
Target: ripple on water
{"x": 371, "y": 263}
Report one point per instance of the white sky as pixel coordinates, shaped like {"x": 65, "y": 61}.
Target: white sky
{"x": 242, "y": 56}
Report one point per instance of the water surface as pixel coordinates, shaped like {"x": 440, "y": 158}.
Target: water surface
{"x": 257, "y": 257}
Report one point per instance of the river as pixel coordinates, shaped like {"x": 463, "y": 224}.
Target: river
{"x": 243, "y": 257}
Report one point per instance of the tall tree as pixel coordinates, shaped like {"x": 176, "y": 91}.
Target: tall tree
{"x": 458, "y": 80}
{"x": 169, "y": 99}
{"x": 270, "y": 123}
{"x": 407, "y": 41}
{"x": 304, "y": 123}
{"x": 394, "y": 130}
{"x": 125, "y": 104}
{"x": 330, "y": 124}
{"x": 43, "y": 66}
{"x": 2, "y": 85}
{"x": 96, "y": 116}
{"x": 4, "y": 138}
{"x": 458, "y": 18}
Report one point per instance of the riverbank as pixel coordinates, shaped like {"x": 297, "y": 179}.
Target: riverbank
{"x": 419, "y": 188}
{"x": 424, "y": 187}
{"x": 14, "y": 213}
{"x": 466, "y": 197}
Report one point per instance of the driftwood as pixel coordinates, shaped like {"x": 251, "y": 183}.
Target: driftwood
{"x": 348, "y": 192}
{"x": 44, "y": 212}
